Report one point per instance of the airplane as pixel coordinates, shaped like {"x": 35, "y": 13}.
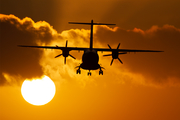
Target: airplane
{"x": 90, "y": 57}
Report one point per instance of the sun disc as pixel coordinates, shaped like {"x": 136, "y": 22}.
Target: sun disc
{"x": 38, "y": 91}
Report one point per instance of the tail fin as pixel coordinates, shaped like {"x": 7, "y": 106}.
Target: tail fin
{"x": 91, "y": 34}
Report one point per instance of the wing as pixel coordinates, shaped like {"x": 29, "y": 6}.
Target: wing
{"x": 125, "y": 50}
{"x": 117, "y": 50}
{"x": 97, "y": 49}
{"x": 65, "y": 50}
{"x": 56, "y": 47}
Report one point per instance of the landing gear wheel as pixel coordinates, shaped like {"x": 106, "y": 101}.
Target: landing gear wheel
{"x": 89, "y": 73}
{"x": 100, "y": 72}
{"x": 78, "y": 71}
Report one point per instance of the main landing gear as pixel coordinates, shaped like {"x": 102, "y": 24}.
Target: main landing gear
{"x": 100, "y": 72}
{"x": 78, "y": 71}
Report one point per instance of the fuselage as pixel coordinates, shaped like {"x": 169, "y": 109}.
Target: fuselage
{"x": 90, "y": 57}
{"x": 90, "y": 60}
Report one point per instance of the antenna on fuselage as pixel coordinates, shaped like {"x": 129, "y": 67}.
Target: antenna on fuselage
{"x": 91, "y": 33}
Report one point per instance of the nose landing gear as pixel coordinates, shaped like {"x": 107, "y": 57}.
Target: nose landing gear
{"x": 89, "y": 73}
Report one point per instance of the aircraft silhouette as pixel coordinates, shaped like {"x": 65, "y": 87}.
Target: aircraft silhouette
{"x": 90, "y": 57}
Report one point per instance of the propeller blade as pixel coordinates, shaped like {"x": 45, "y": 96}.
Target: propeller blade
{"x": 72, "y": 56}
{"x": 64, "y": 60}
{"x": 120, "y": 60}
{"x": 108, "y": 55}
{"x": 109, "y": 46}
{"x": 66, "y": 43}
{"x": 77, "y": 67}
{"x": 102, "y": 68}
{"x": 118, "y": 46}
{"x": 111, "y": 61}
{"x": 58, "y": 55}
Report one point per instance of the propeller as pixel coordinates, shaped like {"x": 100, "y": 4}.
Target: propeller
{"x": 65, "y": 53}
{"x": 115, "y": 54}
{"x": 58, "y": 55}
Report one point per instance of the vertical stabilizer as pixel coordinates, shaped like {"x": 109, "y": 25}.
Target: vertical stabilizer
{"x": 91, "y": 32}
{"x": 91, "y": 36}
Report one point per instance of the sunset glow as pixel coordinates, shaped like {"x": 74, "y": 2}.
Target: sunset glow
{"x": 145, "y": 87}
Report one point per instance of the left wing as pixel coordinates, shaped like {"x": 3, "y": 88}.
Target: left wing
{"x": 56, "y": 47}
{"x": 65, "y": 50}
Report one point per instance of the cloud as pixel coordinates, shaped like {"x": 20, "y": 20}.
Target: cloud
{"x": 140, "y": 68}
{"x": 55, "y": 67}
{"x": 18, "y": 64}
{"x": 16, "y": 61}
{"x": 156, "y": 68}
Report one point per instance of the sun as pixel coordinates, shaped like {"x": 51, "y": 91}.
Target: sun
{"x": 38, "y": 91}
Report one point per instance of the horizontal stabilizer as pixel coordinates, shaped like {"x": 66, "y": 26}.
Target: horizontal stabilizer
{"x": 90, "y": 23}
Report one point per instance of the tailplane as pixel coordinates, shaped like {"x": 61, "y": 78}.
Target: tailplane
{"x": 91, "y": 33}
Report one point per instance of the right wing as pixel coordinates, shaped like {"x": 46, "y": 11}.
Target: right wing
{"x": 125, "y": 50}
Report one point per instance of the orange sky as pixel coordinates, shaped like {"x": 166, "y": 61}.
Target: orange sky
{"x": 145, "y": 87}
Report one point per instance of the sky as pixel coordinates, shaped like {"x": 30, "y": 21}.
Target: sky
{"x": 145, "y": 87}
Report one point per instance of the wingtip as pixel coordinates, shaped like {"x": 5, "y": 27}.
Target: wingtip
{"x": 20, "y": 45}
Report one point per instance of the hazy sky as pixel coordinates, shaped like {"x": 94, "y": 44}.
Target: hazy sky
{"x": 145, "y": 87}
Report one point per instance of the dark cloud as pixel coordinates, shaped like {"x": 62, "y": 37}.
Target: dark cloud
{"x": 157, "y": 67}
{"x": 17, "y": 61}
